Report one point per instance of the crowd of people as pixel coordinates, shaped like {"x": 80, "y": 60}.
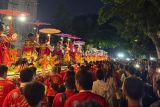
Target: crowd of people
{"x": 95, "y": 84}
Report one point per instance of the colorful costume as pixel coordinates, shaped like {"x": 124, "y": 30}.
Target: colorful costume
{"x": 78, "y": 56}
{"x": 5, "y": 87}
{"x": 4, "y": 51}
{"x": 29, "y": 51}
{"x": 43, "y": 56}
{"x": 44, "y": 50}
{"x": 58, "y": 52}
{"x": 15, "y": 99}
{"x": 66, "y": 58}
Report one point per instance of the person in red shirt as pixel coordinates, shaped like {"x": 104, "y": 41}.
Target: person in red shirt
{"x": 53, "y": 83}
{"x": 5, "y": 85}
{"x": 16, "y": 98}
{"x": 60, "y": 98}
{"x": 89, "y": 103}
{"x": 84, "y": 84}
{"x": 133, "y": 89}
{"x": 34, "y": 93}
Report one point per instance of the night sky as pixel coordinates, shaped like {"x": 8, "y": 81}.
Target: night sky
{"x": 47, "y": 8}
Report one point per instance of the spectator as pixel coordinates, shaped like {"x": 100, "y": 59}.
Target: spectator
{"x": 149, "y": 97}
{"x": 133, "y": 89}
{"x": 99, "y": 86}
{"x": 111, "y": 87}
{"x": 144, "y": 74}
{"x": 157, "y": 103}
{"x": 84, "y": 85}
{"x": 34, "y": 93}
{"x": 16, "y": 97}
{"x": 60, "y": 98}
{"x": 53, "y": 83}
{"x": 69, "y": 74}
{"x": 5, "y": 85}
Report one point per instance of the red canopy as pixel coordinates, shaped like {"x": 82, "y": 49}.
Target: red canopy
{"x": 11, "y": 12}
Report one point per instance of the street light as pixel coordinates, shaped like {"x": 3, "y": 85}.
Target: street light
{"x": 128, "y": 59}
{"x": 34, "y": 28}
{"x": 120, "y": 55}
{"x": 9, "y": 17}
{"x": 152, "y": 58}
{"x": 22, "y": 18}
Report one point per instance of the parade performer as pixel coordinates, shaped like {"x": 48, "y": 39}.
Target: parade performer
{"x": 29, "y": 48}
{"x": 66, "y": 58}
{"x": 58, "y": 51}
{"x": 44, "y": 55}
{"x": 44, "y": 50}
{"x": 4, "y": 51}
{"x": 79, "y": 56}
{"x": 72, "y": 51}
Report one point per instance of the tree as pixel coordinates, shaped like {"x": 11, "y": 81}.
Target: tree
{"x": 136, "y": 18}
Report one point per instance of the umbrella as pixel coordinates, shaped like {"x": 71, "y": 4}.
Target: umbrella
{"x": 75, "y": 38}
{"x": 64, "y": 35}
{"x": 68, "y": 36}
{"x": 49, "y": 31}
{"x": 11, "y": 12}
{"x": 38, "y": 23}
{"x": 79, "y": 42}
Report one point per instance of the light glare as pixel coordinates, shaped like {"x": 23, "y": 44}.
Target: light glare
{"x": 9, "y": 17}
{"x": 137, "y": 66}
{"x": 49, "y": 35}
{"x": 128, "y": 59}
{"x": 22, "y": 18}
{"x": 152, "y": 58}
{"x": 120, "y": 55}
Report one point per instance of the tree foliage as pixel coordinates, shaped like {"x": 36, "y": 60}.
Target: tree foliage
{"x": 135, "y": 19}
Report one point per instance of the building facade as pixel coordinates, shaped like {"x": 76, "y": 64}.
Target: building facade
{"x": 23, "y": 28}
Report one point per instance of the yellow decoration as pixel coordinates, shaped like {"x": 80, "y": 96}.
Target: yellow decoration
{"x": 44, "y": 63}
{"x": 13, "y": 55}
{"x": 67, "y": 57}
{"x": 49, "y": 31}
{"x": 54, "y": 60}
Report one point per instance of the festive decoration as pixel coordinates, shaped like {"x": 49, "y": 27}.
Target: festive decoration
{"x": 11, "y": 12}
{"x": 49, "y": 31}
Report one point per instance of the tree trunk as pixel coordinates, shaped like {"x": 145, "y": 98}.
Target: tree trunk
{"x": 156, "y": 41}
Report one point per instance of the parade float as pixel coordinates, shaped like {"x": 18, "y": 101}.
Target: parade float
{"x": 68, "y": 50}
